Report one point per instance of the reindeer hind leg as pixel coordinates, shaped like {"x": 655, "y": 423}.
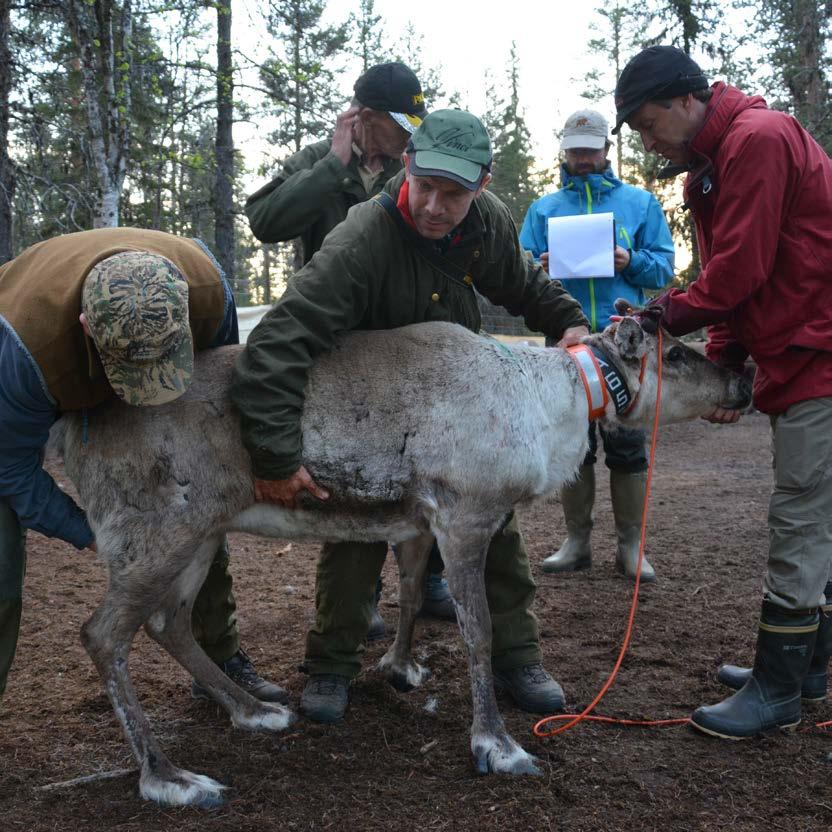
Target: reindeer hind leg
{"x": 132, "y": 596}
{"x": 170, "y": 626}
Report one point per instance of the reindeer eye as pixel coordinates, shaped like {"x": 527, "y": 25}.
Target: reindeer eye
{"x": 675, "y": 354}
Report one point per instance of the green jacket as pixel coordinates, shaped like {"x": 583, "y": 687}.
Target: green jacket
{"x": 368, "y": 275}
{"x": 310, "y": 196}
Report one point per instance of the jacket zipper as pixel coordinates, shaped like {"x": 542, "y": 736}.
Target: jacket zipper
{"x": 592, "y": 309}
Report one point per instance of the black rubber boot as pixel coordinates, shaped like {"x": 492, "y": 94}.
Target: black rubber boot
{"x": 770, "y": 699}
{"x": 815, "y": 684}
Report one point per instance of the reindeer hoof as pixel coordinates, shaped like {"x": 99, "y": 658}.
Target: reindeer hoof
{"x": 268, "y": 717}
{"x": 182, "y": 788}
{"x": 404, "y": 678}
{"x": 502, "y": 755}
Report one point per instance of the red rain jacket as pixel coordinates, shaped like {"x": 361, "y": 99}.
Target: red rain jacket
{"x": 761, "y": 196}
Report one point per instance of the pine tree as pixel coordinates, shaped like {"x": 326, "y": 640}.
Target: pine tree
{"x": 513, "y": 179}
{"x": 795, "y": 36}
{"x": 368, "y": 35}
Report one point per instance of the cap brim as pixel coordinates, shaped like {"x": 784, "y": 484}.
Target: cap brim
{"x": 406, "y": 121}
{"x": 431, "y": 163}
{"x": 591, "y": 142}
{"x": 153, "y": 383}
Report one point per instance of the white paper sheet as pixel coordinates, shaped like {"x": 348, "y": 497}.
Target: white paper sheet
{"x": 581, "y": 246}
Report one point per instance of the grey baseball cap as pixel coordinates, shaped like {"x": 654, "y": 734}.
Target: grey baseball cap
{"x": 585, "y": 128}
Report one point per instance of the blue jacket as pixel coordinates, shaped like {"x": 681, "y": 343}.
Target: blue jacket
{"x": 27, "y": 412}
{"x": 640, "y": 228}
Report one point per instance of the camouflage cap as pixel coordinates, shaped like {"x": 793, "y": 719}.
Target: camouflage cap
{"x": 136, "y": 305}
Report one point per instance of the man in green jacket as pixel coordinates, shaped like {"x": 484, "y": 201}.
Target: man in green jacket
{"x": 411, "y": 256}
{"x": 319, "y": 184}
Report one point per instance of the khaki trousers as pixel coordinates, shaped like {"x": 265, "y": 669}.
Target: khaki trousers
{"x": 800, "y": 510}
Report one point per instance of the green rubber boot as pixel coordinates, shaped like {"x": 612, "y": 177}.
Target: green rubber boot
{"x": 577, "y": 500}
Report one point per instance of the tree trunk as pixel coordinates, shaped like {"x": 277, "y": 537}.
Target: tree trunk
{"x": 105, "y": 68}
{"x": 7, "y": 171}
{"x": 223, "y": 187}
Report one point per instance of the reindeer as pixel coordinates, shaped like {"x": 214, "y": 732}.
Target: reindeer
{"x": 421, "y": 432}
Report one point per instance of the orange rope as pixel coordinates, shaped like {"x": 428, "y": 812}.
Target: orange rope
{"x": 571, "y": 720}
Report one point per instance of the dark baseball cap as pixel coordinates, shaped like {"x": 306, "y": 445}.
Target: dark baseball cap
{"x": 393, "y": 88}
{"x": 452, "y": 144}
{"x": 656, "y": 72}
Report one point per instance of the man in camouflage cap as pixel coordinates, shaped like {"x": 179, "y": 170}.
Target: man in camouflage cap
{"x": 82, "y": 317}
{"x": 136, "y": 313}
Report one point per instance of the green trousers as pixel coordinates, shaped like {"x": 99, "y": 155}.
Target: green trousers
{"x": 346, "y": 582}
{"x": 214, "y": 617}
{"x": 12, "y": 570}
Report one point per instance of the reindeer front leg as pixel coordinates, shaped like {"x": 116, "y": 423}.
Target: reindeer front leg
{"x": 464, "y": 549}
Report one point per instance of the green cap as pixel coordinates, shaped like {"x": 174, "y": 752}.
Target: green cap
{"x": 453, "y": 144}
{"x": 136, "y": 305}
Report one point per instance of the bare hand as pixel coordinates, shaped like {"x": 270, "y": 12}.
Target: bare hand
{"x": 620, "y": 258}
{"x": 285, "y": 492}
{"x": 721, "y": 416}
{"x": 573, "y": 335}
{"x": 343, "y": 136}
{"x": 544, "y": 261}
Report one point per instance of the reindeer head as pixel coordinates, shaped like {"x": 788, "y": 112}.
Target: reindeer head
{"x": 691, "y": 384}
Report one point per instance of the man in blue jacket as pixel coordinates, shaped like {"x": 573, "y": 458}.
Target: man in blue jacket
{"x": 643, "y": 259}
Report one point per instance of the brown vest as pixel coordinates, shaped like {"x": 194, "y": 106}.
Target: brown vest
{"x": 40, "y": 296}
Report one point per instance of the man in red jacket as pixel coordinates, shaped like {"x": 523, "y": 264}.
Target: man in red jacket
{"x": 760, "y": 189}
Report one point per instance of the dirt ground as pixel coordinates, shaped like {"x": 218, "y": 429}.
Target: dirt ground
{"x": 392, "y": 763}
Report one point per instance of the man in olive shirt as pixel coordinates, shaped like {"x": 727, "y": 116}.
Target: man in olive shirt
{"x": 319, "y": 184}
{"x": 412, "y": 256}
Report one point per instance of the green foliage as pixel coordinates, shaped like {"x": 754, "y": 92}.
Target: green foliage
{"x": 301, "y": 73}
{"x": 513, "y": 180}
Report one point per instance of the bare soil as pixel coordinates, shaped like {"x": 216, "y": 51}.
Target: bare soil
{"x": 393, "y": 764}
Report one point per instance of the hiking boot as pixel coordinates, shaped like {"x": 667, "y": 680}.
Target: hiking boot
{"x": 628, "y": 492}
{"x": 531, "y": 688}
{"x": 770, "y": 699}
{"x": 577, "y": 500}
{"x": 438, "y": 602}
{"x": 241, "y": 671}
{"x": 325, "y": 697}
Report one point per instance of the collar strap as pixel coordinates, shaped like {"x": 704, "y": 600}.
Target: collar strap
{"x": 602, "y": 381}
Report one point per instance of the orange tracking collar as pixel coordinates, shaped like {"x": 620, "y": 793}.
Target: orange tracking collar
{"x": 602, "y": 381}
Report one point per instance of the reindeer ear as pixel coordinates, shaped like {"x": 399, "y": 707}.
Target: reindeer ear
{"x": 629, "y": 339}
{"x": 650, "y": 318}
{"x": 624, "y": 307}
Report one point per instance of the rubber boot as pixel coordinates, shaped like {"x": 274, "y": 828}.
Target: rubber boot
{"x": 770, "y": 699}
{"x": 577, "y": 500}
{"x": 817, "y": 679}
{"x": 628, "y": 492}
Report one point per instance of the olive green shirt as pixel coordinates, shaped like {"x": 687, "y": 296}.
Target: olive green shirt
{"x": 310, "y": 196}
{"x": 369, "y": 275}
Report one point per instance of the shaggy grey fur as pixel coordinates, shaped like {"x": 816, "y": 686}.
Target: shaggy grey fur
{"x": 429, "y": 430}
